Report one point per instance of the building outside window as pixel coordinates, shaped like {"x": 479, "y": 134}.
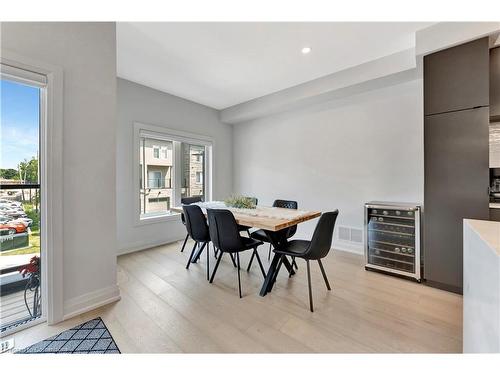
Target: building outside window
{"x": 193, "y": 168}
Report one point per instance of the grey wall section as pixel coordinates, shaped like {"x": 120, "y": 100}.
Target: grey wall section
{"x": 87, "y": 54}
{"x": 142, "y": 104}
{"x": 339, "y": 154}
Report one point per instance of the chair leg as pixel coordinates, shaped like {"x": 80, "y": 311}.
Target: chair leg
{"x": 248, "y": 231}
{"x": 294, "y": 263}
{"x": 216, "y": 266}
{"x": 198, "y": 254}
{"x": 269, "y": 255}
{"x": 324, "y": 275}
{"x": 216, "y": 252}
{"x": 232, "y": 260}
{"x": 191, "y": 256}
{"x": 185, "y": 241}
{"x": 260, "y": 262}
{"x": 309, "y": 285}
{"x": 208, "y": 260}
{"x": 239, "y": 280}
{"x": 251, "y": 260}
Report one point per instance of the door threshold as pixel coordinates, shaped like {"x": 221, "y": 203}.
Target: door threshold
{"x": 22, "y": 326}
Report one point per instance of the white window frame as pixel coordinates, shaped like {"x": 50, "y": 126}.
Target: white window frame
{"x": 51, "y": 179}
{"x": 177, "y": 136}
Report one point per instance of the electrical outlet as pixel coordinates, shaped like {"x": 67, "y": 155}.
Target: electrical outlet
{"x": 6, "y": 345}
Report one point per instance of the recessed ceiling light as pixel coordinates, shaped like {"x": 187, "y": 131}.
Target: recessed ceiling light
{"x": 306, "y": 50}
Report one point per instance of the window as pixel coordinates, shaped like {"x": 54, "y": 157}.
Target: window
{"x": 193, "y": 169}
{"x": 155, "y": 180}
{"x": 171, "y": 166}
{"x": 155, "y": 194}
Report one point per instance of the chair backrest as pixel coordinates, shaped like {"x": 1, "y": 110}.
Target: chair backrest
{"x": 224, "y": 230}
{"x": 196, "y": 223}
{"x": 188, "y": 200}
{"x": 321, "y": 241}
{"x": 285, "y": 204}
{"x": 291, "y": 205}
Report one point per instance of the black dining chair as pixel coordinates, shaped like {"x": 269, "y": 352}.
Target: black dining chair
{"x": 197, "y": 228}
{"x": 187, "y": 200}
{"x": 261, "y": 234}
{"x": 244, "y": 228}
{"x": 227, "y": 239}
{"x": 316, "y": 249}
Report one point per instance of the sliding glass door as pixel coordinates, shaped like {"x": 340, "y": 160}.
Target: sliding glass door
{"x": 22, "y": 110}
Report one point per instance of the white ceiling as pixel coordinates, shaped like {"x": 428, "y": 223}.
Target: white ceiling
{"x": 223, "y": 64}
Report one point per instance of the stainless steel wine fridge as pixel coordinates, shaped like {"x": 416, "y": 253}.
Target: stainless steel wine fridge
{"x": 392, "y": 233}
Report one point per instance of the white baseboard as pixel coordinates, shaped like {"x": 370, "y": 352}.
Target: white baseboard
{"x": 143, "y": 245}
{"x": 349, "y": 247}
{"x": 90, "y": 301}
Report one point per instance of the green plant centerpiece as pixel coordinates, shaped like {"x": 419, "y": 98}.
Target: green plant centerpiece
{"x": 238, "y": 201}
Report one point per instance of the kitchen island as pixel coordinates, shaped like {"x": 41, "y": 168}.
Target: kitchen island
{"x": 481, "y": 288}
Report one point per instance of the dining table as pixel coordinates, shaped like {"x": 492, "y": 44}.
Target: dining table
{"x": 274, "y": 221}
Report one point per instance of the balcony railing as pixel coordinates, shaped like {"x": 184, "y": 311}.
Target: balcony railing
{"x": 19, "y": 242}
{"x": 159, "y": 183}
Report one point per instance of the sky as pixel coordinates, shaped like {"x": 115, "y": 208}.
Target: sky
{"x": 19, "y": 123}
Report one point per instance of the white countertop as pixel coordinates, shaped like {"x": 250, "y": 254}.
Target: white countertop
{"x": 489, "y": 231}
{"x": 494, "y": 205}
{"x": 481, "y": 287}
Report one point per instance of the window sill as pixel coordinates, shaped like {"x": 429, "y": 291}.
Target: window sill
{"x": 158, "y": 219}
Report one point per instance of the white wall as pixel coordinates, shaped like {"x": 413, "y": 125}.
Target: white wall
{"x": 142, "y": 104}
{"x": 339, "y": 154}
{"x": 86, "y": 52}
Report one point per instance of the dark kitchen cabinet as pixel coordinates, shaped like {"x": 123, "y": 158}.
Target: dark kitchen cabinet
{"x": 457, "y": 78}
{"x": 456, "y": 182}
{"x": 495, "y": 84}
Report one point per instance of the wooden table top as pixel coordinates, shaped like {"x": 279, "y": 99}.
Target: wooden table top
{"x": 268, "y": 218}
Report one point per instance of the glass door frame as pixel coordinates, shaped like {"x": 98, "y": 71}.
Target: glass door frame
{"x": 50, "y": 79}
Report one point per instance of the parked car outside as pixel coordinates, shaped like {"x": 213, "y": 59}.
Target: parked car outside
{"x": 4, "y": 219}
{"x": 11, "y": 210}
{"x": 10, "y": 202}
{"x": 23, "y": 220}
{"x": 12, "y": 228}
{"x": 12, "y": 205}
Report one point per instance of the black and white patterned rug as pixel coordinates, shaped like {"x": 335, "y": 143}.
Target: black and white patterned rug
{"x": 91, "y": 337}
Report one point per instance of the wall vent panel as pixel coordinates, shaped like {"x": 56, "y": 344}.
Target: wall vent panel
{"x": 350, "y": 234}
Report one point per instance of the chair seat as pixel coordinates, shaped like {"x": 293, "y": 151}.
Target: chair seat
{"x": 250, "y": 243}
{"x": 295, "y": 248}
{"x": 243, "y": 228}
{"x": 259, "y": 235}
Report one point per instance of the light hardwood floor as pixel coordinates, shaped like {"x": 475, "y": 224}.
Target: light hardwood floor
{"x": 166, "y": 308}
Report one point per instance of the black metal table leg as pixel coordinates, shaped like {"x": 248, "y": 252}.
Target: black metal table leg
{"x": 277, "y": 239}
{"x": 270, "y": 275}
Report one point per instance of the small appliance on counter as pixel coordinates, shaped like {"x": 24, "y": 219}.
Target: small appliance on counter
{"x": 392, "y": 233}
